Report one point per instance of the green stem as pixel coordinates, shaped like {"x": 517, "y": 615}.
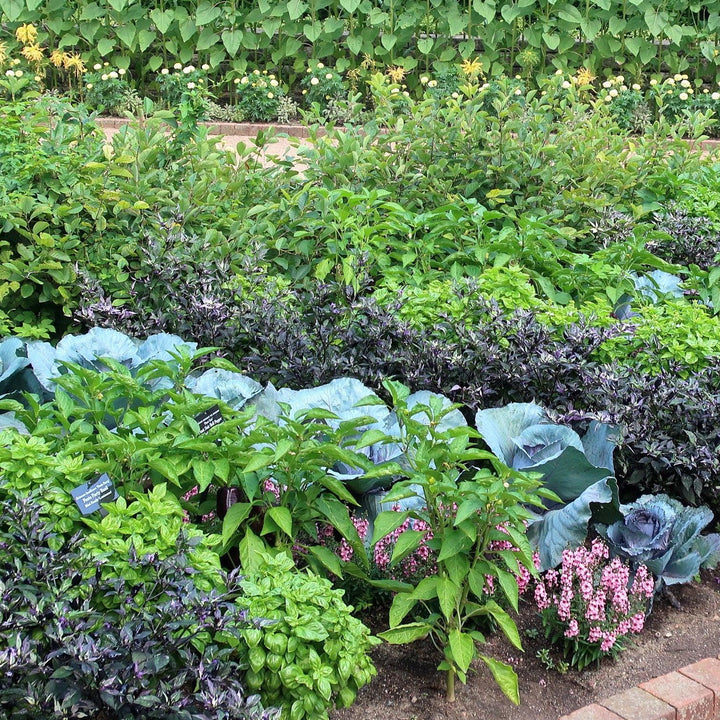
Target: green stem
{"x": 450, "y": 685}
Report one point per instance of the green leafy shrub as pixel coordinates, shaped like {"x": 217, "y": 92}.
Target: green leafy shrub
{"x": 257, "y": 96}
{"x": 314, "y": 657}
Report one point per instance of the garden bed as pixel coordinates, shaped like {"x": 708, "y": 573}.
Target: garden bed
{"x": 408, "y": 686}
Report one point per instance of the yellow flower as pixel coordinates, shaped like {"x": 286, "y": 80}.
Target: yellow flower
{"x": 33, "y": 54}
{"x": 396, "y": 73}
{"x": 471, "y": 68}
{"x": 584, "y": 76}
{"x": 3, "y": 53}
{"x": 57, "y": 58}
{"x": 26, "y": 34}
{"x": 74, "y": 62}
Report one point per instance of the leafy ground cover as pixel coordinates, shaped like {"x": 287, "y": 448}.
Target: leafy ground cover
{"x": 464, "y": 361}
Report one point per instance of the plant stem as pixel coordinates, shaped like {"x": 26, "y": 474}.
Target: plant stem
{"x": 450, "y": 685}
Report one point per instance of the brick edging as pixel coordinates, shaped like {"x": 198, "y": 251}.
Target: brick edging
{"x": 691, "y": 693}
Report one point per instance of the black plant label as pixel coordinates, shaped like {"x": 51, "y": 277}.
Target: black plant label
{"x": 209, "y": 418}
{"x": 90, "y": 496}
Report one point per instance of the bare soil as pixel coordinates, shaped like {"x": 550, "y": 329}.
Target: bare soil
{"x": 408, "y": 686}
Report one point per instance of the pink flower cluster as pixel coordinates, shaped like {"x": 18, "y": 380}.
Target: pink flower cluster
{"x": 591, "y": 600}
{"x": 419, "y": 563}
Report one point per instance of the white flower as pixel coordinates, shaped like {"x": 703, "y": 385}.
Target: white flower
{"x": 683, "y": 96}
{"x": 314, "y": 81}
{"x": 122, "y": 71}
{"x": 613, "y": 92}
{"x": 320, "y": 66}
{"x": 715, "y": 96}
{"x": 558, "y": 72}
{"x": 104, "y": 76}
{"x": 89, "y": 86}
{"x": 608, "y": 98}
{"x": 670, "y": 81}
{"x": 485, "y": 86}
{"x": 607, "y": 84}
{"x": 424, "y": 80}
{"x": 653, "y": 82}
{"x": 255, "y": 72}
{"x": 406, "y": 93}
{"x": 309, "y": 70}
{"x": 454, "y": 96}
{"x": 635, "y": 86}
{"x": 113, "y": 75}
{"x": 244, "y": 81}
{"x": 19, "y": 73}
{"x": 274, "y": 83}
{"x": 623, "y": 88}
{"x": 394, "y": 91}
{"x": 205, "y": 67}
{"x": 272, "y": 77}
{"x": 270, "y": 96}
{"x": 187, "y": 70}
{"x": 677, "y": 77}
{"x": 518, "y": 91}
{"x": 16, "y": 61}
{"x": 97, "y": 66}
{"x": 328, "y": 76}
{"x": 10, "y": 73}
{"x": 620, "y": 78}
{"x": 566, "y": 84}
{"x": 236, "y": 81}
{"x": 38, "y": 78}
{"x": 191, "y": 86}
{"x": 164, "y": 71}
{"x": 432, "y": 83}
{"x": 177, "y": 66}
{"x": 685, "y": 83}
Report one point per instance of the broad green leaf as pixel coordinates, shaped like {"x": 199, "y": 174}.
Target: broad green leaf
{"x": 425, "y": 45}
{"x": 236, "y": 515}
{"x": 258, "y": 461}
{"x": 206, "y": 13}
{"x": 231, "y": 40}
{"x": 404, "y": 634}
{"x": 505, "y": 677}
{"x": 462, "y": 647}
{"x": 162, "y": 19}
{"x": 408, "y": 542}
{"x": 145, "y": 39}
{"x": 402, "y": 604}
{"x": 453, "y": 542}
{"x": 328, "y": 559}
{"x": 426, "y": 589}
{"x": 126, "y": 33}
{"x": 296, "y": 8}
{"x": 388, "y": 40}
{"x": 350, "y": 6}
{"x": 505, "y": 622}
{"x": 207, "y": 39}
{"x": 386, "y": 522}
{"x": 447, "y": 592}
{"x": 509, "y": 586}
{"x": 251, "y": 548}
{"x": 281, "y": 516}
{"x": 204, "y": 472}
{"x": 105, "y": 46}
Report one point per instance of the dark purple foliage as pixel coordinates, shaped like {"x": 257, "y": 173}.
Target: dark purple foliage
{"x": 63, "y": 657}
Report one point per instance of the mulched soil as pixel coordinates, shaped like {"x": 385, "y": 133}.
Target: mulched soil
{"x": 408, "y": 686}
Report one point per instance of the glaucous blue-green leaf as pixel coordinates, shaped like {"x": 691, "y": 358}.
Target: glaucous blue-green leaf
{"x": 541, "y": 443}
{"x": 658, "y": 284}
{"x": 567, "y": 526}
{"x": 373, "y": 503}
{"x": 599, "y": 444}
{"x": 162, "y": 346}
{"x": 234, "y": 389}
{"x": 499, "y": 426}
{"x": 569, "y": 474}
{"x": 664, "y": 535}
{"x": 8, "y": 420}
{"x": 341, "y": 397}
{"x": 12, "y": 361}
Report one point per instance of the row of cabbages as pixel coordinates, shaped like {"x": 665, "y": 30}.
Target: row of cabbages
{"x": 656, "y": 530}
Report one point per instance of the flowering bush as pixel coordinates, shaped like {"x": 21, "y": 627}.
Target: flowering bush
{"x": 258, "y": 95}
{"x": 322, "y": 85}
{"x": 590, "y": 606}
{"x": 185, "y": 86}
{"x": 108, "y": 88}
